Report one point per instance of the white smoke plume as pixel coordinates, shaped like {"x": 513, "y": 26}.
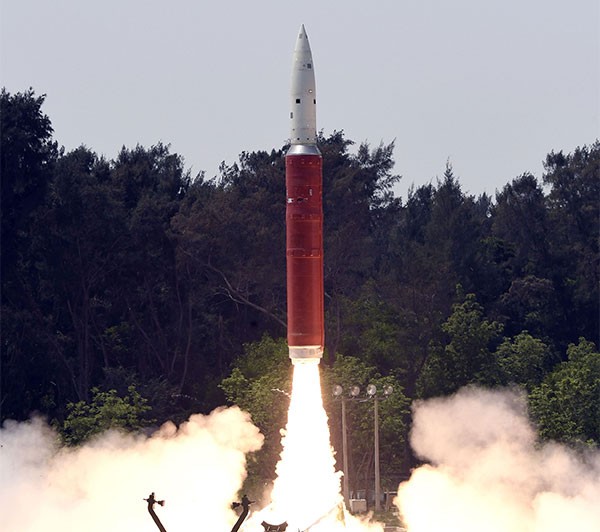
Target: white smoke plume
{"x": 488, "y": 473}
{"x": 197, "y": 468}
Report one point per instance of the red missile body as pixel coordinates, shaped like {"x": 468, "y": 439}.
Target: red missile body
{"x": 304, "y": 244}
{"x": 304, "y": 215}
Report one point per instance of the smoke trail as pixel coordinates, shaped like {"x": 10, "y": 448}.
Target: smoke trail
{"x": 197, "y": 468}
{"x": 487, "y": 473}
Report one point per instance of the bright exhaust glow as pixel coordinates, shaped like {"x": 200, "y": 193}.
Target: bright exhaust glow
{"x": 306, "y": 362}
{"x": 306, "y": 471}
{"x": 307, "y": 490}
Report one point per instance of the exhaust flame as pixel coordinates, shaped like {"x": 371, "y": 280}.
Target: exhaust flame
{"x": 307, "y": 485}
{"x": 307, "y": 490}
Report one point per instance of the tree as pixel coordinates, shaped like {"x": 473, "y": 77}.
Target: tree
{"x": 532, "y": 303}
{"x": 573, "y": 212}
{"x": 467, "y": 356}
{"x": 453, "y": 235}
{"x": 401, "y": 310}
{"x": 523, "y": 360}
{"x": 438, "y": 240}
{"x": 231, "y": 251}
{"x": 523, "y": 231}
{"x": 106, "y": 411}
{"x": 84, "y": 230}
{"x": 27, "y": 156}
{"x": 520, "y": 224}
{"x": 155, "y": 305}
{"x": 260, "y": 383}
{"x": 356, "y": 201}
{"x": 375, "y": 331}
{"x": 566, "y": 404}
{"x": 26, "y": 159}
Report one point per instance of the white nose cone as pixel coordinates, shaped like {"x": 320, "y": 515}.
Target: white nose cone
{"x": 303, "y": 113}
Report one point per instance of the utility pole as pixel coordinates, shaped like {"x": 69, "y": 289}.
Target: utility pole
{"x": 377, "y": 479}
{"x": 345, "y": 488}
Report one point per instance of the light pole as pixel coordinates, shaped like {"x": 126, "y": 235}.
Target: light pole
{"x": 372, "y": 393}
{"x": 338, "y": 392}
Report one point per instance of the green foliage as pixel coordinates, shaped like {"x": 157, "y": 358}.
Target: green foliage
{"x": 531, "y": 302}
{"x": 357, "y": 195}
{"x": 348, "y": 371}
{"x": 573, "y": 212}
{"x": 520, "y": 224}
{"x": 522, "y": 360}
{"x": 466, "y": 356}
{"x": 259, "y": 383}
{"x": 164, "y": 398}
{"x": 129, "y": 272}
{"x": 29, "y": 379}
{"x": 566, "y": 404}
{"x": 107, "y": 410}
{"x": 28, "y": 151}
{"x": 375, "y": 330}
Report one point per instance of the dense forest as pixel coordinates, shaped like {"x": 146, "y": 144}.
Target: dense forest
{"x": 132, "y": 280}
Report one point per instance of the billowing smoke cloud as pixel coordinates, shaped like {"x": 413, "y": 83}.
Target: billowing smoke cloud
{"x": 487, "y": 472}
{"x": 197, "y": 468}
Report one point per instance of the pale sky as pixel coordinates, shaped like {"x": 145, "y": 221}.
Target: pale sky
{"x": 492, "y": 86}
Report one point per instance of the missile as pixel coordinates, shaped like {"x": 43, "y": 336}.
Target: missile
{"x": 304, "y": 214}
